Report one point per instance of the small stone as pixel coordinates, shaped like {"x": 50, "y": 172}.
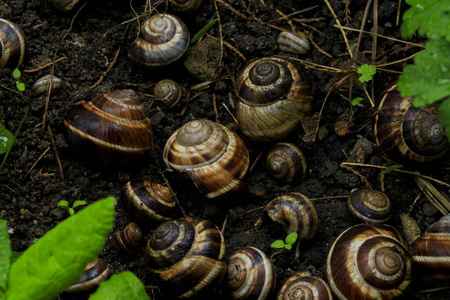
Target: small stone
{"x": 429, "y": 209}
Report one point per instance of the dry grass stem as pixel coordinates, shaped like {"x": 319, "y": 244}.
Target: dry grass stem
{"x": 433, "y": 195}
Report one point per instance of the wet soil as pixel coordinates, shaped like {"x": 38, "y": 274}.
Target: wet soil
{"x": 28, "y": 199}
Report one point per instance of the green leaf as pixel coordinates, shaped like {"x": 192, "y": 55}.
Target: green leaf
{"x": 278, "y": 244}
{"x": 20, "y": 86}
{"x": 356, "y": 100}
{"x": 5, "y": 253}
{"x": 6, "y": 139}
{"x": 429, "y": 78}
{"x": 14, "y": 256}
{"x": 58, "y": 259}
{"x": 16, "y": 74}
{"x": 203, "y": 31}
{"x": 288, "y": 247}
{"x": 78, "y": 203}
{"x": 366, "y": 71}
{"x": 291, "y": 238}
{"x": 121, "y": 286}
{"x": 15, "y": 136}
{"x": 64, "y": 203}
{"x": 390, "y": 169}
{"x": 71, "y": 211}
{"x": 444, "y": 116}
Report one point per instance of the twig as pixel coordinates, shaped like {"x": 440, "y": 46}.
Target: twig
{"x": 229, "y": 46}
{"x": 107, "y": 70}
{"x": 342, "y": 31}
{"x": 215, "y": 108}
{"x": 61, "y": 172}
{"x": 256, "y": 160}
{"x": 45, "y": 66}
{"x": 35, "y": 163}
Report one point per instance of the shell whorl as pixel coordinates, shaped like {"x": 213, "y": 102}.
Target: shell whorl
{"x": 371, "y": 206}
{"x": 13, "y": 44}
{"x": 303, "y": 286}
{"x": 286, "y": 162}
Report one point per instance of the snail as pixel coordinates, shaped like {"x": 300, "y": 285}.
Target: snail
{"x": 163, "y": 40}
{"x": 186, "y": 6}
{"x": 214, "y": 157}
{"x": 303, "y": 286}
{"x": 370, "y": 205}
{"x": 286, "y": 162}
{"x": 41, "y": 86}
{"x": 294, "y": 42}
{"x": 129, "y": 239}
{"x": 369, "y": 261}
{"x": 64, "y": 5}
{"x": 13, "y": 44}
{"x": 405, "y": 132}
{"x": 112, "y": 129}
{"x": 431, "y": 254}
{"x": 274, "y": 97}
{"x": 169, "y": 92}
{"x": 94, "y": 273}
{"x": 250, "y": 274}
{"x": 149, "y": 202}
{"x": 188, "y": 254}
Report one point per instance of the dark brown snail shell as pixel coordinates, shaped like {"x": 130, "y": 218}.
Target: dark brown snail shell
{"x": 370, "y": 205}
{"x": 41, "y": 86}
{"x": 149, "y": 202}
{"x": 431, "y": 254}
{"x": 94, "y": 273}
{"x": 286, "y": 162}
{"x": 169, "y": 92}
{"x": 13, "y": 44}
{"x": 369, "y": 261}
{"x": 129, "y": 239}
{"x": 250, "y": 274}
{"x": 186, "y": 6}
{"x": 163, "y": 40}
{"x": 111, "y": 129}
{"x": 303, "y": 286}
{"x": 64, "y": 5}
{"x": 214, "y": 157}
{"x": 408, "y": 133}
{"x": 188, "y": 254}
{"x": 274, "y": 97}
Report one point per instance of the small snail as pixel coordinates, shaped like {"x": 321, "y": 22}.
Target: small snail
{"x": 188, "y": 254}
{"x": 169, "y": 92}
{"x": 149, "y": 202}
{"x": 129, "y": 239}
{"x": 286, "y": 162}
{"x": 112, "y": 129}
{"x": 369, "y": 261}
{"x": 294, "y": 42}
{"x": 370, "y": 205}
{"x": 274, "y": 97}
{"x": 94, "y": 273}
{"x": 186, "y": 6}
{"x": 303, "y": 286}
{"x": 250, "y": 274}
{"x": 164, "y": 40}
{"x": 431, "y": 254}
{"x": 214, "y": 157}
{"x": 12, "y": 44}
{"x": 406, "y": 132}
{"x": 41, "y": 86}
{"x": 64, "y": 5}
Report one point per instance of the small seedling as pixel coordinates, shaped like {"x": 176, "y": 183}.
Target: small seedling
{"x": 7, "y": 139}
{"x": 356, "y": 100}
{"x": 20, "y": 85}
{"x": 71, "y": 210}
{"x": 390, "y": 169}
{"x": 287, "y": 243}
{"x": 203, "y": 31}
{"x": 366, "y": 71}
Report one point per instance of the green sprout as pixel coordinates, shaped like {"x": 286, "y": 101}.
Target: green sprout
{"x": 203, "y": 31}
{"x": 356, "y": 100}
{"x": 77, "y": 203}
{"x": 20, "y": 85}
{"x": 287, "y": 243}
{"x": 390, "y": 169}
{"x": 7, "y": 139}
{"x": 366, "y": 71}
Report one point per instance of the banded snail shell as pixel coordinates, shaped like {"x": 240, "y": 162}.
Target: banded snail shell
{"x": 42, "y": 85}
{"x": 94, "y": 273}
{"x": 13, "y": 44}
{"x": 129, "y": 239}
{"x": 286, "y": 162}
{"x": 294, "y": 42}
{"x": 369, "y": 205}
{"x": 303, "y": 286}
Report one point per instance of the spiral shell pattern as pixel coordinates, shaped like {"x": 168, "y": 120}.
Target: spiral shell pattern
{"x": 169, "y": 92}
{"x": 286, "y": 162}
{"x": 13, "y": 44}
{"x": 129, "y": 239}
{"x": 41, "y": 86}
{"x": 303, "y": 286}
{"x": 94, "y": 273}
{"x": 370, "y": 205}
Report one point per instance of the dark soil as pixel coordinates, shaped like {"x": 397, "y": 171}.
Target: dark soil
{"x": 28, "y": 201}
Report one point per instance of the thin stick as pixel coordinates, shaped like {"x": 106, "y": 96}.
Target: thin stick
{"x": 363, "y": 23}
{"x": 327, "y": 198}
{"x": 228, "y": 110}
{"x": 45, "y": 66}
{"x": 61, "y": 172}
{"x": 35, "y": 163}
{"x": 107, "y": 70}
{"x": 368, "y": 96}
{"x": 220, "y": 34}
{"x": 215, "y": 108}
{"x": 342, "y": 31}
{"x": 256, "y": 160}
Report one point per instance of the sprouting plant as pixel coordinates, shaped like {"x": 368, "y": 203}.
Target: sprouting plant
{"x": 20, "y": 85}
{"x": 356, "y": 100}
{"x": 287, "y": 243}
{"x": 202, "y": 31}
{"x": 366, "y": 71}
{"x": 71, "y": 210}
{"x": 7, "y": 139}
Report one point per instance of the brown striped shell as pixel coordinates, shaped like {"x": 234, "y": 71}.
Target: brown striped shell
{"x": 163, "y": 40}
{"x": 214, "y": 157}
{"x": 369, "y": 261}
{"x": 13, "y": 44}
{"x": 250, "y": 275}
{"x": 274, "y": 97}
{"x": 41, "y": 86}
{"x": 303, "y": 286}
{"x": 64, "y": 5}
{"x": 94, "y": 273}
{"x": 111, "y": 129}
{"x": 188, "y": 254}
{"x": 129, "y": 239}
{"x": 186, "y": 6}
{"x": 296, "y": 213}
{"x": 149, "y": 202}
{"x": 169, "y": 92}
{"x": 286, "y": 162}
{"x": 294, "y": 42}
{"x": 431, "y": 254}
{"x": 369, "y": 205}
{"x": 405, "y": 132}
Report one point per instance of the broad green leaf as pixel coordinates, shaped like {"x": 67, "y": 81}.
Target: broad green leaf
{"x": 444, "y": 116}
{"x": 64, "y": 203}
{"x": 20, "y": 86}
{"x": 6, "y": 139}
{"x": 78, "y": 203}
{"x": 57, "y": 260}
{"x": 16, "y": 74}
{"x": 123, "y": 286}
{"x": 5, "y": 253}
{"x": 356, "y": 100}
{"x": 291, "y": 238}
{"x": 390, "y": 169}
{"x": 278, "y": 244}
{"x": 14, "y": 256}
{"x": 203, "y": 31}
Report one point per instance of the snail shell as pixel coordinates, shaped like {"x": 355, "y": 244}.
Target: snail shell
{"x": 369, "y": 261}
{"x": 164, "y": 40}
{"x": 12, "y": 44}
{"x": 286, "y": 162}
{"x": 186, "y": 6}
{"x": 303, "y": 286}
{"x": 64, "y": 5}
{"x": 370, "y": 205}
{"x": 129, "y": 239}
{"x": 296, "y": 213}
{"x": 94, "y": 273}
{"x": 187, "y": 253}
{"x": 112, "y": 129}
{"x": 149, "y": 202}
{"x": 294, "y": 42}
{"x": 214, "y": 157}
{"x": 250, "y": 274}
{"x": 169, "y": 92}
{"x": 405, "y": 132}
{"x": 41, "y": 86}
{"x": 431, "y": 254}
{"x": 274, "y": 97}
